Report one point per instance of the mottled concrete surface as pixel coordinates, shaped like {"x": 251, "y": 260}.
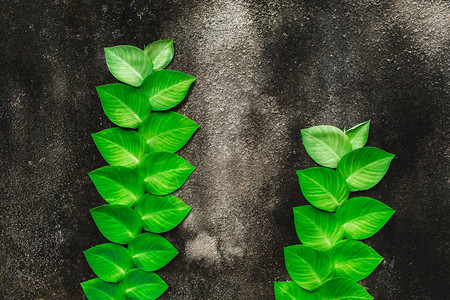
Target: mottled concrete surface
{"x": 265, "y": 70}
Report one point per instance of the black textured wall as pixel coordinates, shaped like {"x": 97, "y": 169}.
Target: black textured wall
{"x": 265, "y": 70}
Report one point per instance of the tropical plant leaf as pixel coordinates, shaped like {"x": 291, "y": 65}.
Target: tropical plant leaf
{"x": 97, "y": 289}
{"x": 160, "y": 53}
{"x": 109, "y": 261}
{"x": 118, "y": 223}
{"x": 167, "y": 131}
{"x": 120, "y": 147}
{"x": 118, "y": 185}
{"x": 166, "y": 88}
{"x": 151, "y": 252}
{"x": 342, "y": 288}
{"x": 358, "y": 135}
{"x": 308, "y": 267}
{"x": 128, "y": 64}
{"x": 362, "y": 217}
{"x": 161, "y": 213}
{"x": 124, "y": 105}
{"x": 140, "y": 285}
{"x": 323, "y": 188}
{"x": 289, "y": 290}
{"x": 326, "y": 144}
{"x": 164, "y": 172}
{"x": 317, "y": 229}
{"x": 364, "y": 168}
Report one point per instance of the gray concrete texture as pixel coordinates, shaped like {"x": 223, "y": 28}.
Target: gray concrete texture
{"x": 265, "y": 70}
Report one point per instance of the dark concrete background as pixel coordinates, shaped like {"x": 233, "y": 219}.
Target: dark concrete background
{"x": 265, "y": 70}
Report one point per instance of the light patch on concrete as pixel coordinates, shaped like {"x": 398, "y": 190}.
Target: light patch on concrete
{"x": 203, "y": 247}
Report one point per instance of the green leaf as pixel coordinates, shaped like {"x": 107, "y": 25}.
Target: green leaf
{"x": 362, "y": 217}
{"x": 151, "y": 252}
{"x": 140, "y": 285}
{"x": 358, "y": 135}
{"x": 164, "y": 172}
{"x": 120, "y": 147}
{"x": 326, "y": 144}
{"x": 118, "y": 185}
{"x": 167, "y": 132}
{"x": 289, "y": 290}
{"x": 317, "y": 229}
{"x": 342, "y": 288}
{"x": 97, "y": 289}
{"x": 323, "y": 188}
{"x": 124, "y": 105}
{"x": 354, "y": 260}
{"x": 364, "y": 168}
{"x": 160, "y": 53}
{"x": 308, "y": 267}
{"x": 117, "y": 223}
{"x": 166, "y": 88}
{"x": 109, "y": 261}
{"x": 161, "y": 213}
{"x": 128, "y": 64}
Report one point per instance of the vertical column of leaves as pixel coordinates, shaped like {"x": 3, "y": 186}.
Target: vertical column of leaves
{"x": 331, "y": 260}
{"x": 143, "y": 170}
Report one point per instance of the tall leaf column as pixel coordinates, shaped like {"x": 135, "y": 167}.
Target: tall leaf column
{"x": 142, "y": 173}
{"x": 331, "y": 258}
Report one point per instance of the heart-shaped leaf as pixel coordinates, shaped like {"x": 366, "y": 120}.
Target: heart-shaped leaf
{"x": 289, "y": 290}
{"x": 308, "y": 267}
{"x": 97, "y": 289}
{"x": 317, "y": 229}
{"x": 128, "y": 64}
{"x": 326, "y": 144}
{"x": 166, "y": 88}
{"x": 160, "y": 53}
{"x": 109, "y": 261}
{"x": 118, "y": 185}
{"x": 118, "y": 223}
{"x": 161, "y": 213}
{"x": 120, "y": 147}
{"x": 151, "y": 252}
{"x": 167, "y": 132}
{"x": 362, "y": 217}
{"x": 140, "y": 285}
{"x": 124, "y": 105}
{"x": 323, "y": 188}
{"x": 358, "y": 135}
{"x": 342, "y": 288}
{"x": 363, "y": 168}
{"x": 164, "y": 172}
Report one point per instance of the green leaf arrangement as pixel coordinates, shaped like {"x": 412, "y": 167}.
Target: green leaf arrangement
{"x": 142, "y": 173}
{"x": 331, "y": 259}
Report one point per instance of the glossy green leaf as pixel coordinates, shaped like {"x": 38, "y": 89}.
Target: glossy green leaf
{"x": 317, "y": 229}
{"x": 323, "y": 188}
{"x": 166, "y": 88}
{"x": 342, "y": 288}
{"x": 140, "y": 285}
{"x": 308, "y": 267}
{"x": 358, "y": 135}
{"x": 289, "y": 290}
{"x": 161, "y": 213}
{"x": 364, "y": 168}
{"x": 120, "y": 147}
{"x": 97, "y": 289}
{"x": 354, "y": 260}
{"x": 151, "y": 252}
{"x": 164, "y": 172}
{"x": 326, "y": 144}
{"x": 167, "y": 131}
{"x": 160, "y": 53}
{"x": 124, "y": 105}
{"x": 109, "y": 261}
{"x": 118, "y": 223}
{"x": 128, "y": 64}
{"x": 118, "y": 185}
{"x": 362, "y": 217}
